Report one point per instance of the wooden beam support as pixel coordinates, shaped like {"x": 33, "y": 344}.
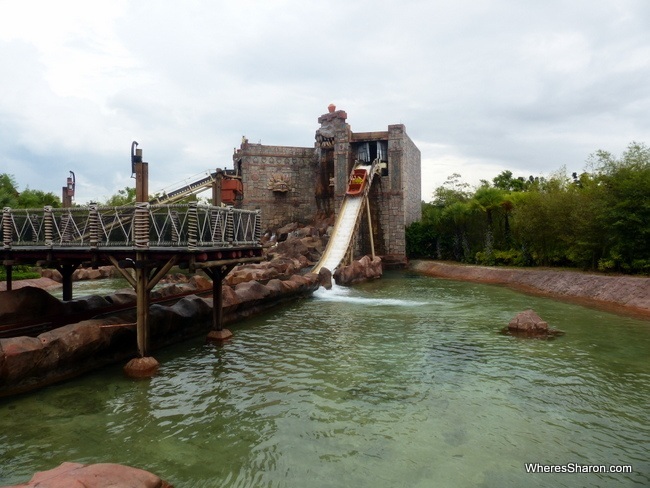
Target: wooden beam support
{"x": 66, "y": 270}
{"x": 9, "y": 272}
{"x": 142, "y": 304}
{"x": 162, "y": 271}
{"x": 125, "y": 273}
{"x": 372, "y": 240}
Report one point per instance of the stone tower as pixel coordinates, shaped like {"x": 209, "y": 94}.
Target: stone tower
{"x": 299, "y": 184}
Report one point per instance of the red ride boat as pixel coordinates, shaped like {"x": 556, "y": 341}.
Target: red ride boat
{"x": 357, "y": 182}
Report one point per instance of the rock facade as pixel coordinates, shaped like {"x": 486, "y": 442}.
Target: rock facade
{"x": 28, "y": 363}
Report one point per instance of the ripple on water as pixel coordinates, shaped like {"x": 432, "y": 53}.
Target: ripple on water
{"x": 399, "y": 382}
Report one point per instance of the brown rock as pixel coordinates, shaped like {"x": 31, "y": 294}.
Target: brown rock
{"x": 145, "y": 367}
{"x": 75, "y": 341}
{"x": 529, "y": 324}
{"x": 80, "y": 274}
{"x": 124, "y": 297}
{"x": 22, "y": 357}
{"x": 229, "y": 298}
{"x": 304, "y": 284}
{"x": 325, "y": 278}
{"x": 283, "y": 232}
{"x": 76, "y": 475}
{"x": 219, "y": 335}
{"x": 528, "y": 321}
{"x": 291, "y": 248}
{"x": 52, "y": 274}
{"x": 251, "y": 291}
{"x": 313, "y": 244}
{"x": 285, "y": 266}
{"x": 364, "y": 269}
{"x": 28, "y": 302}
{"x": 200, "y": 282}
{"x": 277, "y": 287}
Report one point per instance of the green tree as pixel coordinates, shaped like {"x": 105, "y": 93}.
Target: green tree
{"x": 625, "y": 213}
{"x": 505, "y": 181}
{"x": 8, "y": 191}
{"x": 38, "y": 199}
{"x": 121, "y": 198}
{"x": 11, "y": 197}
{"x": 452, "y": 190}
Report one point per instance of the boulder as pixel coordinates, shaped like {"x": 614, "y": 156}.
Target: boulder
{"x": 84, "y": 304}
{"x": 251, "y": 292}
{"x": 124, "y": 297}
{"x": 187, "y": 314}
{"x": 76, "y": 475}
{"x": 277, "y": 288}
{"x": 200, "y": 282}
{"x": 27, "y": 303}
{"x": 284, "y": 266}
{"x": 528, "y": 321}
{"x": 261, "y": 272}
{"x": 283, "y": 232}
{"x": 325, "y": 278}
{"x": 52, "y": 274}
{"x": 229, "y": 299}
{"x": 74, "y": 342}
{"x": 529, "y": 324}
{"x": 364, "y": 269}
{"x": 86, "y": 274}
{"x": 20, "y": 357}
{"x": 291, "y": 248}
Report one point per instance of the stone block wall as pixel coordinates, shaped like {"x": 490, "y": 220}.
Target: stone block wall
{"x": 267, "y": 171}
{"x": 398, "y": 199}
{"x": 412, "y": 174}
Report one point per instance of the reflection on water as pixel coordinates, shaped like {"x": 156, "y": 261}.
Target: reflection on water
{"x": 404, "y": 381}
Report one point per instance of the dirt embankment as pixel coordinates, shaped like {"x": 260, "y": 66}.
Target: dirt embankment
{"x": 628, "y": 295}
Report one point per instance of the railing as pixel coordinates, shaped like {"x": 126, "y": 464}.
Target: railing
{"x": 143, "y": 226}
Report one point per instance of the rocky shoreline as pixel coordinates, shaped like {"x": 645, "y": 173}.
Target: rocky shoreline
{"x": 628, "y": 295}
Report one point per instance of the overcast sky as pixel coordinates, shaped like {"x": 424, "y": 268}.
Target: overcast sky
{"x": 481, "y": 85}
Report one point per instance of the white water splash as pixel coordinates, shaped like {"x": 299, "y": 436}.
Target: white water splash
{"x": 347, "y": 295}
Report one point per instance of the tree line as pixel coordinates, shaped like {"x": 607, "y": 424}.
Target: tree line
{"x": 10, "y": 196}
{"x": 596, "y": 220}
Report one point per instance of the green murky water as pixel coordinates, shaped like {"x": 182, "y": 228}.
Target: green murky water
{"x": 405, "y": 381}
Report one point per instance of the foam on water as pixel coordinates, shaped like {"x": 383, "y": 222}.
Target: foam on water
{"x": 346, "y": 295}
